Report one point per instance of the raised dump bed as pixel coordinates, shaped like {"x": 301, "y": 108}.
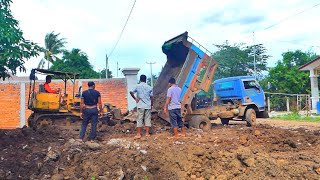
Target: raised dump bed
{"x": 193, "y": 68}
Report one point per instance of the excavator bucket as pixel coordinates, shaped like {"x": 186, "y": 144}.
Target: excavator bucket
{"x": 189, "y": 63}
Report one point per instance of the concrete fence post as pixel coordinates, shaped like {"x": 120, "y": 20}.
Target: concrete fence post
{"x": 131, "y": 77}
{"x": 269, "y": 105}
{"x": 22, "y": 104}
{"x": 288, "y": 105}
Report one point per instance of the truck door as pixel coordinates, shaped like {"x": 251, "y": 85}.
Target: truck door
{"x": 253, "y": 90}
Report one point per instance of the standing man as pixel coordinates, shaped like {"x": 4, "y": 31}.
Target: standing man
{"x": 90, "y": 101}
{"x": 173, "y": 104}
{"x": 144, "y": 101}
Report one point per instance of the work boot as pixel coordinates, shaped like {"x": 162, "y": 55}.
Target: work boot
{"x": 175, "y": 132}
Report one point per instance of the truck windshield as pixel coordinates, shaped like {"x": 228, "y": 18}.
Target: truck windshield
{"x": 250, "y": 84}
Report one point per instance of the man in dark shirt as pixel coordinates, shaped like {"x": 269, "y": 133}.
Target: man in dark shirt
{"x": 90, "y": 101}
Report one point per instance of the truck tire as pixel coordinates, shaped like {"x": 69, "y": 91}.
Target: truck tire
{"x": 200, "y": 122}
{"x": 263, "y": 114}
{"x": 251, "y": 117}
{"x": 224, "y": 121}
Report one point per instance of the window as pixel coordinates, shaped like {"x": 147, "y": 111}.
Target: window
{"x": 225, "y": 85}
{"x": 250, "y": 84}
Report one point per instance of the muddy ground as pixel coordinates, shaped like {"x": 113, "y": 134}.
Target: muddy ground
{"x": 224, "y": 152}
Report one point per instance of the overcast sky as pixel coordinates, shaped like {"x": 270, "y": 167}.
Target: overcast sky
{"x": 94, "y": 26}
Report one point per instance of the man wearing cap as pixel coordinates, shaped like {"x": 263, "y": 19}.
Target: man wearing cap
{"x": 144, "y": 101}
{"x": 90, "y": 101}
{"x": 173, "y": 104}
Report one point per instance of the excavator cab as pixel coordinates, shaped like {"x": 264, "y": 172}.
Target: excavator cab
{"x": 39, "y": 100}
{"x": 50, "y": 108}
{"x": 61, "y": 109}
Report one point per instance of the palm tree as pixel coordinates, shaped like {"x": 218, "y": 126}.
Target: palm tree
{"x": 53, "y": 47}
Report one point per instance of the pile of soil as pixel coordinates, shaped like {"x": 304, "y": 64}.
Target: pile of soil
{"x": 224, "y": 152}
{"x": 161, "y": 86}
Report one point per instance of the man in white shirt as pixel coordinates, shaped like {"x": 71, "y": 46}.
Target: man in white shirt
{"x": 144, "y": 101}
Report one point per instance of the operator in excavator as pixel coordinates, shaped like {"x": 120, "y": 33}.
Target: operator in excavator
{"x": 47, "y": 87}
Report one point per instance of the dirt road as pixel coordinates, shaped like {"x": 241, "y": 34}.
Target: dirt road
{"x": 225, "y": 152}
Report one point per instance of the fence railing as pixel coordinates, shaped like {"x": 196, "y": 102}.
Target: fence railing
{"x": 288, "y": 102}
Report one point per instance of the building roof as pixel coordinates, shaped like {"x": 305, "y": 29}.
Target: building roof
{"x": 314, "y": 64}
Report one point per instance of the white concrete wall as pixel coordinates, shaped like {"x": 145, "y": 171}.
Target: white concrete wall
{"x": 132, "y": 80}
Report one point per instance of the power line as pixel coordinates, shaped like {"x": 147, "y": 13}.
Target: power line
{"x": 114, "y": 47}
{"x": 285, "y": 19}
{"x": 281, "y": 21}
{"x": 302, "y": 44}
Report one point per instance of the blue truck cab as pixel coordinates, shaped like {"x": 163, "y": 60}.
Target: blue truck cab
{"x": 242, "y": 91}
{"x": 240, "y": 88}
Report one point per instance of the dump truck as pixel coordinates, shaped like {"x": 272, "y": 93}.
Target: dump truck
{"x": 193, "y": 67}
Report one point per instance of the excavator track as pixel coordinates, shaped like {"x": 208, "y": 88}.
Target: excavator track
{"x": 39, "y": 120}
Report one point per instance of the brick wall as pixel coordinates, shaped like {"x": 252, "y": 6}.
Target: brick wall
{"x": 113, "y": 91}
{"x": 9, "y": 105}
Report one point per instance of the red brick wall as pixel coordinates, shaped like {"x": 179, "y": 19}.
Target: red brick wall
{"x": 113, "y": 91}
{"x": 9, "y": 105}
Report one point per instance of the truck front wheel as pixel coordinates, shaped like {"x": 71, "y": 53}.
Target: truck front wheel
{"x": 251, "y": 117}
{"x": 225, "y": 121}
{"x": 200, "y": 122}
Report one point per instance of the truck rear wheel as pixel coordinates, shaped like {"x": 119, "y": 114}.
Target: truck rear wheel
{"x": 263, "y": 114}
{"x": 251, "y": 117}
{"x": 200, "y": 122}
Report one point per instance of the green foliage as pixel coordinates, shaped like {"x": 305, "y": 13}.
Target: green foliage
{"x": 75, "y": 61}
{"x": 155, "y": 78}
{"x": 297, "y": 117}
{"x": 237, "y": 60}
{"x": 14, "y": 49}
{"x": 285, "y": 77}
{"x": 102, "y": 74}
{"x": 53, "y": 46}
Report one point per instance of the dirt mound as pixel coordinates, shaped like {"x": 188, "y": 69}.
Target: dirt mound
{"x": 161, "y": 86}
{"x": 232, "y": 152}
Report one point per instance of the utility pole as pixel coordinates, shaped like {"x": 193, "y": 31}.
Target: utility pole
{"x": 107, "y": 67}
{"x": 254, "y": 58}
{"x": 151, "y": 72}
{"x": 117, "y": 68}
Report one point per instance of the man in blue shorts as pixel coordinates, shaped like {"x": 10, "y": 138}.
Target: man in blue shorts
{"x": 173, "y": 104}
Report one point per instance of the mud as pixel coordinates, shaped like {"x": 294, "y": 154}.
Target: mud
{"x": 224, "y": 152}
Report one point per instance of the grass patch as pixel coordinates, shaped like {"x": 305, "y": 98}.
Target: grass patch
{"x": 297, "y": 117}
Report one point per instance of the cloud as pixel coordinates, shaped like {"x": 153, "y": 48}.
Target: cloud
{"x": 234, "y": 16}
{"x": 95, "y": 27}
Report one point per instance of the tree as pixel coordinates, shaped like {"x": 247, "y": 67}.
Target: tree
{"x": 53, "y": 46}
{"x": 102, "y": 74}
{"x": 75, "y": 61}
{"x": 285, "y": 77}
{"x": 14, "y": 49}
{"x": 155, "y": 78}
{"x": 237, "y": 60}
